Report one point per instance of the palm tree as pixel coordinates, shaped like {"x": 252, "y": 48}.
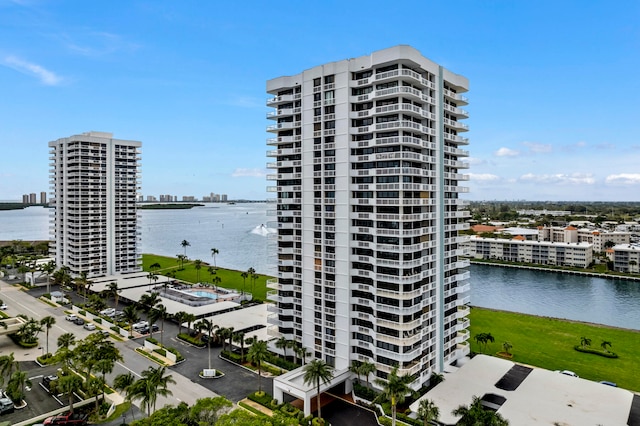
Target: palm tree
{"x": 475, "y": 414}
{"x": 284, "y": 343}
{"x": 230, "y": 336}
{"x": 162, "y": 314}
{"x": 130, "y": 315}
{"x": 184, "y": 245}
{"x": 214, "y": 251}
{"x": 507, "y": 347}
{"x": 209, "y": 327}
{"x": 238, "y": 337}
{"x": 8, "y": 365}
{"x": 15, "y": 386}
{"x": 123, "y": 383}
{"x": 244, "y": 276}
{"x": 367, "y": 368}
{"x": 251, "y": 273}
{"x": 68, "y": 384}
{"x": 215, "y": 281}
{"x": 355, "y": 368}
{"x": 47, "y": 322}
{"x": 48, "y": 268}
{"x": 179, "y": 317}
{"x": 181, "y": 258}
{"x": 585, "y": 341}
{"x": 428, "y": 411}
{"x": 604, "y": 345}
{"x": 113, "y": 290}
{"x": 148, "y": 301}
{"x": 258, "y": 353}
{"x": 315, "y": 372}
{"x": 395, "y": 389}
{"x": 198, "y": 265}
{"x": 153, "y": 383}
{"x": 189, "y": 318}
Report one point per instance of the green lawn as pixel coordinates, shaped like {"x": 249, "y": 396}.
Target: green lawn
{"x": 230, "y": 278}
{"x": 548, "y": 343}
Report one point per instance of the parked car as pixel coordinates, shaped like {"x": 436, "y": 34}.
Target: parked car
{"x": 568, "y": 373}
{"x": 4, "y": 306}
{"x": 140, "y": 325}
{"x": 604, "y": 382}
{"x": 46, "y": 381}
{"x": 67, "y": 419}
{"x": 108, "y": 312}
{"x": 6, "y": 406}
{"x": 89, "y": 326}
{"x": 79, "y": 321}
{"x": 71, "y": 317}
{"x": 146, "y": 330}
{"x": 105, "y": 333}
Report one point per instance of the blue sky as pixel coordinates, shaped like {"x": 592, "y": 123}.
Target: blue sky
{"x": 553, "y": 102}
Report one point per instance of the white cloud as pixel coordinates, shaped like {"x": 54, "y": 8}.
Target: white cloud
{"x": 246, "y": 102}
{"x": 45, "y": 76}
{"x": 483, "y": 177}
{"x": 538, "y": 148}
{"x": 507, "y": 152}
{"x": 623, "y": 179}
{"x": 475, "y": 161}
{"x": 560, "y": 178}
{"x": 97, "y": 43}
{"x": 249, "y": 172}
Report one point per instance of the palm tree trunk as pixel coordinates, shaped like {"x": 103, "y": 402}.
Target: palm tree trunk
{"x": 318, "y": 399}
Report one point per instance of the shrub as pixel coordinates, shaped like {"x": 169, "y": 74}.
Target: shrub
{"x": 232, "y": 357}
{"x": 192, "y": 340}
{"x": 595, "y": 352}
{"x": 115, "y": 328}
{"x": 152, "y": 340}
{"x": 82, "y": 312}
{"x": 98, "y": 320}
{"x": 264, "y": 399}
{"x": 178, "y": 355}
{"x": 364, "y": 392}
{"x": 161, "y": 352}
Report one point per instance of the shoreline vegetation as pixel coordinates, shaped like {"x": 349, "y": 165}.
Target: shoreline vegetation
{"x": 170, "y": 206}
{"x": 550, "y": 343}
{"x": 20, "y": 206}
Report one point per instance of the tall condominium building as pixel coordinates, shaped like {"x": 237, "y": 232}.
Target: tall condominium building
{"x": 367, "y": 176}
{"x": 95, "y": 182}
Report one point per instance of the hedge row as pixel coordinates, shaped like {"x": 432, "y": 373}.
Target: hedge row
{"x": 595, "y": 352}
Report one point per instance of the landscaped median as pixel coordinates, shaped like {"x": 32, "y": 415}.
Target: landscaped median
{"x": 551, "y": 343}
{"x": 159, "y": 353}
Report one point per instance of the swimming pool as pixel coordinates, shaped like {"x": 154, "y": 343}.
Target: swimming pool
{"x": 200, "y": 293}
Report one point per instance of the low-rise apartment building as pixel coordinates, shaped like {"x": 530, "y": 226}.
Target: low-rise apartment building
{"x": 571, "y": 234}
{"x": 520, "y": 250}
{"x": 626, "y": 258}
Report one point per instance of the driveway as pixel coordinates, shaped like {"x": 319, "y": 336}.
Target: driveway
{"x": 342, "y": 413}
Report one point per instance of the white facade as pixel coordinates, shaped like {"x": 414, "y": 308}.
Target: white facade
{"x": 95, "y": 183}
{"x": 367, "y": 177}
{"x": 626, "y": 258}
{"x": 542, "y": 252}
{"x": 571, "y": 234}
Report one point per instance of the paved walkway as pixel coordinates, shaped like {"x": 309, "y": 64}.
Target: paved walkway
{"x": 257, "y": 406}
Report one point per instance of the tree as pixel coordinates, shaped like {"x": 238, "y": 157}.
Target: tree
{"x": 16, "y": 384}
{"x": 198, "y": 265}
{"x": 153, "y": 383}
{"x": 130, "y": 315}
{"x": 395, "y": 389}
{"x": 179, "y": 317}
{"x": 355, "y": 368}
{"x": 8, "y": 365}
{"x": 123, "y": 383}
{"x": 244, "y": 276}
{"x": 148, "y": 301}
{"x": 428, "y": 411}
{"x": 484, "y": 338}
{"x": 367, "y": 368}
{"x": 181, "y": 258}
{"x": 206, "y": 411}
{"x": 214, "y": 252}
{"x": 113, "y": 290}
{"x": 97, "y": 302}
{"x": 47, "y": 322}
{"x": 68, "y": 384}
{"x": 48, "y": 268}
{"x": 184, "y": 245}
{"x": 162, "y": 314}
{"x": 258, "y": 353}
{"x": 209, "y": 327}
{"x": 585, "y": 341}
{"x": 238, "y": 337}
{"x": 284, "y": 343}
{"x": 251, "y": 273}
{"x": 475, "y": 414}
{"x": 189, "y": 318}
{"x": 507, "y": 347}
{"x": 604, "y": 345}
{"x": 315, "y": 372}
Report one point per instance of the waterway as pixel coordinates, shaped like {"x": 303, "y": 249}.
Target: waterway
{"x": 240, "y": 233}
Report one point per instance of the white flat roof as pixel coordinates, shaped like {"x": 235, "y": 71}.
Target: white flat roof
{"x": 543, "y": 398}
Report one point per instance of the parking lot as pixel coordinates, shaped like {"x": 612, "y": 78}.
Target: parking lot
{"x": 38, "y": 399}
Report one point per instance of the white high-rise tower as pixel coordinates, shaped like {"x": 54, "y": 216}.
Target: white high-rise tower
{"x": 94, "y": 185}
{"x": 367, "y": 177}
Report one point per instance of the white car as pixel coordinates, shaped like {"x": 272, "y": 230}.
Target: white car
{"x": 568, "y": 373}
{"x": 140, "y": 325}
{"x": 4, "y": 306}
{"x": 108, "y": 312}
{"x": 71, "y": 317}
{"x": 89, "y": 326}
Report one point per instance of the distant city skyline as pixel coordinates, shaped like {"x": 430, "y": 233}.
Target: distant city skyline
{"x": 553, "y": 101}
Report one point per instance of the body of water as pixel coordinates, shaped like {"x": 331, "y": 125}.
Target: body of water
{"x": 240, "y": 233}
